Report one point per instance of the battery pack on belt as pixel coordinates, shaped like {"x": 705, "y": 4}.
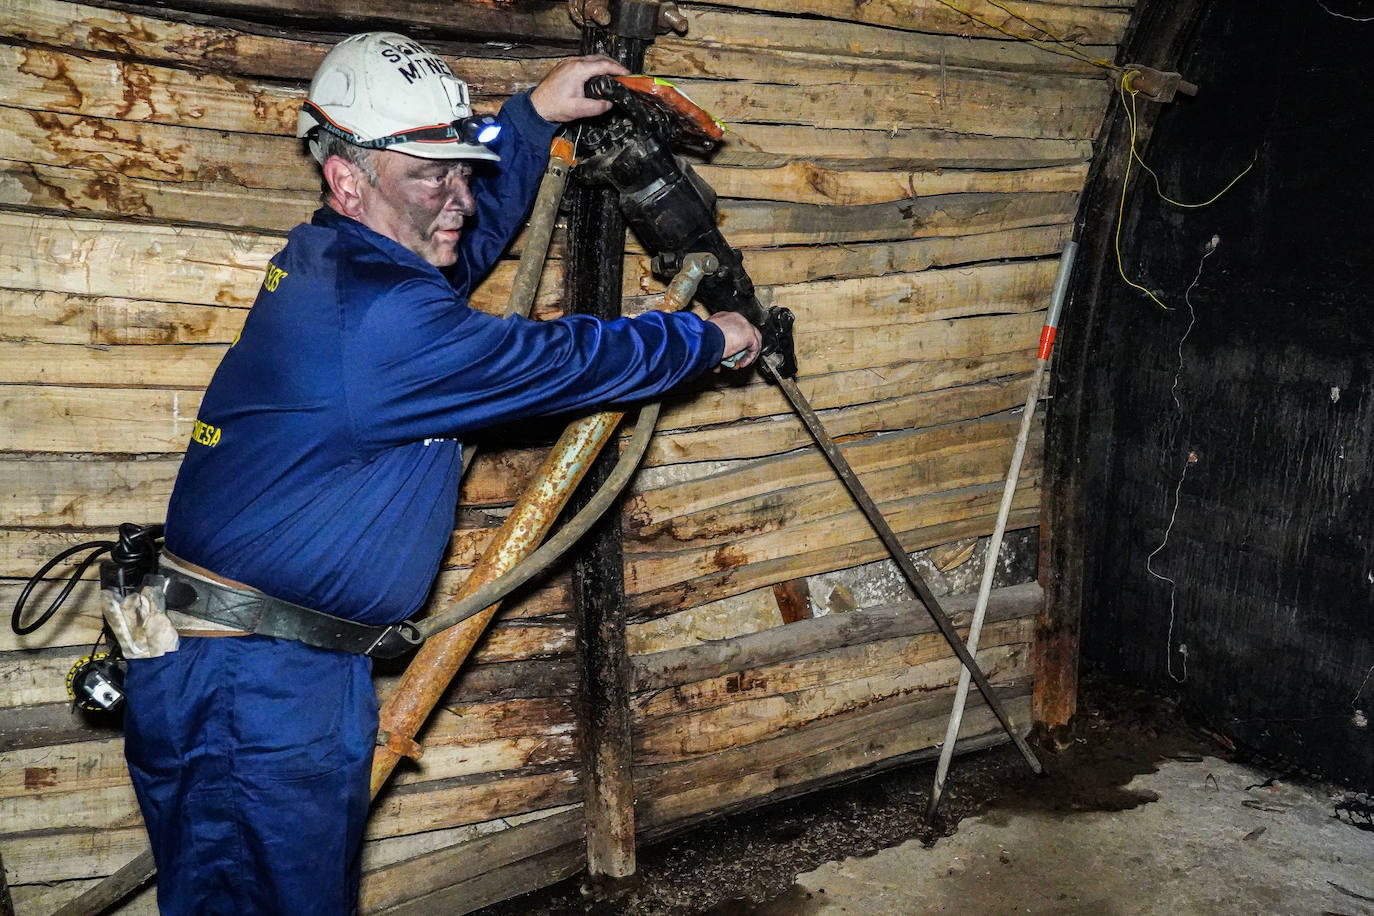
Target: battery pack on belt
{"x": 253, "y": 612}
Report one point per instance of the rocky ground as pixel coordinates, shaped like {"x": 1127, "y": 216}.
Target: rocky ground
{"x": 748, "y": 863}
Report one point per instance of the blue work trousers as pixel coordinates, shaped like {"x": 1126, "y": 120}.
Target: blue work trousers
{"x": 251, "y": 759}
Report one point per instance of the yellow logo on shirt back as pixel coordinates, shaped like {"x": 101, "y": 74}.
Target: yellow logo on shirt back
{"x": 205, "y": 434}
{"x": 274, "y": 276}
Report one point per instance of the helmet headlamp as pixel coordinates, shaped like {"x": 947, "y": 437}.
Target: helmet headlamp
{"x": 477, "y": 129}
{"x": 481, "y": 129}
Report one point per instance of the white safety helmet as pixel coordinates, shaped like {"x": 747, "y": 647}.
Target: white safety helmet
{"x": 380, "y": 90}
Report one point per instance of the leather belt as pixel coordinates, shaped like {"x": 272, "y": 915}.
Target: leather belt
{"x": 235, "y": 609}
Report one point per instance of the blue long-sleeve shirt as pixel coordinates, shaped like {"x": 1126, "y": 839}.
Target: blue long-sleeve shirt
{"x": 325, "y": 461}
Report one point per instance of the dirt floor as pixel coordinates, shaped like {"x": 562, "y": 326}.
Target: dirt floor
{"x": 748, "y": 864}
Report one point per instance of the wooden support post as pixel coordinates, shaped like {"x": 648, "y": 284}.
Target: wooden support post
{"x": 6, "y": 902}
{"x": 596, "y": 242}
{"x": 1076, "y": 428}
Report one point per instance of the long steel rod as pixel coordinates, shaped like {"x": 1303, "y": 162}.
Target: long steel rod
{"x": 898, "y": 552}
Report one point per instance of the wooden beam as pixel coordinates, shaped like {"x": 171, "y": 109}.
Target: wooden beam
{"x": 596, "y": 244}
{"x": 723, "y": 572}
{"x": 896, "y": 146}
{"x": 895, "y": 730}
{"x": 1069, "y": 21}
{"x": 663, "y": 670}
{"x": 454, "y": 865}
{"x": 1077, "y": 426}
{"x": 720, "y": 40}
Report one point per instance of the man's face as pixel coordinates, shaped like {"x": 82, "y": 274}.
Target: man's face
{"x": 420, "y": 203}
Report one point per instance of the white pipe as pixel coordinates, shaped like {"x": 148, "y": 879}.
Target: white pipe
{"x": 1061, "y": 285}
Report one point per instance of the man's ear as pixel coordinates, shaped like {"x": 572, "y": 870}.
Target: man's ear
{"x": 344, "y": 178}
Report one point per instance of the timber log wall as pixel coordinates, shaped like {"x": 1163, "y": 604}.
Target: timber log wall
{"x": 900, "y": 176}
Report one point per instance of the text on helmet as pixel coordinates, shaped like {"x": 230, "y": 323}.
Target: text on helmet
{"x": 414, "y": 61}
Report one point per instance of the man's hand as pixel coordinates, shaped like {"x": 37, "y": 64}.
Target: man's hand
{"x": 561, "y": 95}
{"x": 742, "y": 339}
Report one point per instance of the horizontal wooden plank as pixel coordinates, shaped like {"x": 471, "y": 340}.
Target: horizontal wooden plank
{"x": 107, "y": 321}
{"x": 78, "y": 419}
{"x": 122, "y": 421}
{"x": 52, "y": 80}
{"x": 910, "y": 720}
{"x": 964, "y": 365}
{"x": 898, "y": 729}
{"x": 501, "y": 883}
{"x": 47, "y": 772}
{"x": 796, "y": 530}
{"x": 221, "y": 267}
{"x": 206, "y": 45}
{"x": 89, "y": 834}
{"x": 774, "y": 223}
{"x": 805, "y": 182}
{"x": 821, "y": 307}
{"x": 49, "y": 898}
{"x": 405, "y": 808}
{"x": 468, "y": 800}
{"x": 772, "y": 436}
{"x": 721, "y": 41}
{"x": 111, "y": 194}
{"x": 534, "y": 19}
{"x": 152, "y": 366}
{"x": 716, "y": 658}
{"x": 916, "y": 96}
{"x": 925, "y": 296}
{"x": 896, "y": 147}
{"x": 827, "y": 667}
{"x": 74, "y": 318}
{"x": 406, "y": 880}
{"x": 724, "y": 572}
{"x": 68, "y": 768}
{"x": 163, "y": 263}
{"x": 156, "y": 152}
{"x": 47, "y": 491}
{"x": 62, "y": 855}
{"x": 126, "y": 152}
{"x": 871, "y": 259}
{"x": 777, "y": 492}
{"x": 458, "y": 724}
{"x": 747, "y": 721}
{"x": 108, "y": 808}
{"x": 1092, "y": 24}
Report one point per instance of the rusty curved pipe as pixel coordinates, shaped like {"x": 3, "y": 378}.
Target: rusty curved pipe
{"x": 438, "y": 660}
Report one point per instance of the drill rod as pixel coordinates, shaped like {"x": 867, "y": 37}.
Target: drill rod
{"x": 895, "y": 548}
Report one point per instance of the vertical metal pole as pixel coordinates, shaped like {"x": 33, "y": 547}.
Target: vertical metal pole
{"x": 596, "y": 241}
{"x": 1047, "y": 335}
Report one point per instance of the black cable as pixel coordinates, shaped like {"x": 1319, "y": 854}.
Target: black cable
{"x": 96, "y": 548}
{"x": 135, "y": 547}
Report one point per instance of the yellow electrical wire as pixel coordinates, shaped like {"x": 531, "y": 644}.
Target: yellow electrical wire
{"x": 1121, "y": 208}
{"x": 1124, "y": 88}
{"x": 1068, "y": 48}
{"x": 1065, "y": 48}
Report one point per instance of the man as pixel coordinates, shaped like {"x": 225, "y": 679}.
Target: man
{"x": 323, "y": 469}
